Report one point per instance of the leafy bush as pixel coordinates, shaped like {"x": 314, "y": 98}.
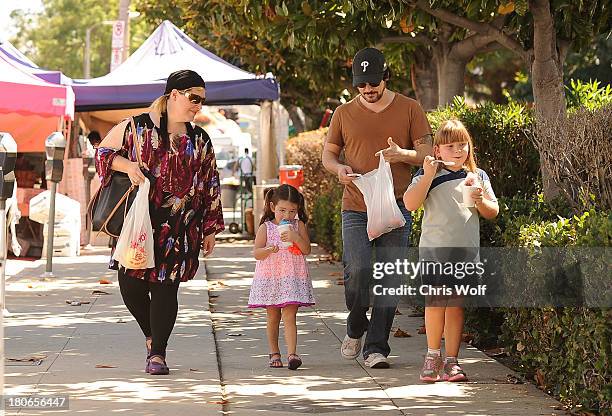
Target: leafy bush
{"x": 306, "y": 149}
{"x": 327, "y": 221}
{"x": 587, "y": 94}
{"x": 565, "y": 350}
{"x": 502, "y": 144}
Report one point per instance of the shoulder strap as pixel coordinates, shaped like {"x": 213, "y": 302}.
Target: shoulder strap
{"x": 136, "y": 140}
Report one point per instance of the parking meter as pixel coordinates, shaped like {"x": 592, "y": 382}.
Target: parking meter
{"x": 89, "y": 167}
{"x": 55, "y": 145}
{"x": 8, "y": 156}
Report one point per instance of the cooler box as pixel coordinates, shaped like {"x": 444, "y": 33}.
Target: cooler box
{"x": 291, "y": 175}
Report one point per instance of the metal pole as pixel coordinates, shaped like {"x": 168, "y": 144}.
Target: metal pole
{"x": 3, "y": 255}
{"x": 2, "y": 277}
{"x": 124, "y": 10}
{"x": 87, "y": 222}
{"x": 50, "y": 230}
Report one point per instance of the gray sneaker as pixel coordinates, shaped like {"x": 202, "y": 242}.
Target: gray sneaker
{"x": 376, "y": 360}
{"x": 351, "y": 347}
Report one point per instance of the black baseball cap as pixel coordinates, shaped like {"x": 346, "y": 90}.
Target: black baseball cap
{"x": 368, "y": 66}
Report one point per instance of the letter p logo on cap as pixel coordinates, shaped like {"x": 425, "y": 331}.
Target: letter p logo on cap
{"x": 364, "y": 65}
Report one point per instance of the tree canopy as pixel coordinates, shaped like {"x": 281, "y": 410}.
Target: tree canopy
{"x": 55, "y": 38}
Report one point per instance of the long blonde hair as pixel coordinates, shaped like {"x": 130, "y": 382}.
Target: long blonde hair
{"x": 160, "y": 105}
{"x": 453, "y": 131}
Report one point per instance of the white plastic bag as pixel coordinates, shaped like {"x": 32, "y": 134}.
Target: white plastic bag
{"x": 377, "y": 188}
{"x": 134, "y": 248}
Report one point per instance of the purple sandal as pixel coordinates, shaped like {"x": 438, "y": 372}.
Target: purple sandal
{"x": 294, "y": 362}
{"x": 157, "y": 368}
{"x": 148, "y": 354}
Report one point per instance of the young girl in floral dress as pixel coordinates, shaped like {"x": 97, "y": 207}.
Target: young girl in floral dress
{"x": 281, "y": 283}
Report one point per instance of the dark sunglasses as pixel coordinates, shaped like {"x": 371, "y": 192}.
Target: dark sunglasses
{"x": 193, "y": 98}
{"x": 371, "y": 84}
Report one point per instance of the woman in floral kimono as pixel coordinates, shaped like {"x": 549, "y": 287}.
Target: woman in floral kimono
{"x": 185, "y": 206}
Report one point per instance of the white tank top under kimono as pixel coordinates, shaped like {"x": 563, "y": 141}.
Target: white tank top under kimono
{"x": 282, "y": 278}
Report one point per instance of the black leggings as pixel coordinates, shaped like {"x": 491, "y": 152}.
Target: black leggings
{"x": 156, "y": 315}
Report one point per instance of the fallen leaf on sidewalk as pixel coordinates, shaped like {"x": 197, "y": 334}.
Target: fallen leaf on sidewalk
{"x": 495, "y": 352}
{"x": 213, "y": 296}
{"x": 340, "y": 282}
{"x": 219, "y": 402}
{"x": 120, "y": 321}
{"x": 539, "y": 379}
{"x": 194, "y": 369}
{"x": 105, "y": 366}
{"x": 99, "y": 292}
{"x": 401, "y": 334}
{"x": 234, "y": 335}
{"x": 33, "y": 357}
{"x": 422, "y": 330}
{"x": 334, "y": 274}
{"x": 510, "y": 379}
{"x": 105, "y": 282}
{"x": 77, "y": 302}
{"x": 30, "y": 286}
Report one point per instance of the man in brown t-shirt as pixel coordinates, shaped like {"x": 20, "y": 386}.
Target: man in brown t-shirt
{"x": 377, "y": 120}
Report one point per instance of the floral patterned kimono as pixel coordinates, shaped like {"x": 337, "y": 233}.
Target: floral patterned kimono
{"x": 185, "y": 204}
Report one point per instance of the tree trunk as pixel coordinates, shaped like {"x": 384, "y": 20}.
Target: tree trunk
{"x": 425, "y": 79}
{"x": 299, "y": 123}
{"x": 547, "y": 80}
{"x": 451, "y": 77}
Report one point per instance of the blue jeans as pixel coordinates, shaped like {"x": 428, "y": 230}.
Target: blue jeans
{"x": 358, "y": 262}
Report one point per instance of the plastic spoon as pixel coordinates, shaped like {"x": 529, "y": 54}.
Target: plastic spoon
{"x": 445, "y": 162}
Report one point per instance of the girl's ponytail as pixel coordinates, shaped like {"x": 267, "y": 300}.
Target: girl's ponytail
{"x": 302, "y": 209}
{"x": 268, "y": 214}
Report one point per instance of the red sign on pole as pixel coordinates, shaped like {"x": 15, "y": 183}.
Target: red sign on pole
{"x": 116, "y": 58}
{"x": 118, "y": 34}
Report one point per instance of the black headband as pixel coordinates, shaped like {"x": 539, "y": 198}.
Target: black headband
{"x": 183, "y": 80}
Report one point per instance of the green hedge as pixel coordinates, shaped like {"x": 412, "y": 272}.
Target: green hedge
{"x": 327, "y": 221}
{"x": 502, "y": 145}
{"x": 565, "y": 350}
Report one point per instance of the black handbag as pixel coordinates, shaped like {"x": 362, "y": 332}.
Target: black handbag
{"x": 109, "y": 206}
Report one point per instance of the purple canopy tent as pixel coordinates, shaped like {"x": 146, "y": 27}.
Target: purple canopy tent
{"x": 141, "y": 78}
{"x": 26, "y": 65}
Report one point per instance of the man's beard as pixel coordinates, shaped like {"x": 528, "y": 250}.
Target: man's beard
{"x": 373, "y": 96}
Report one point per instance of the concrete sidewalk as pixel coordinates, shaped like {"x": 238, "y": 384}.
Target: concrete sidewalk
{"x": 328, "y": 384}
{"x": 218, "y": 351}
{"x": 75, "y": 339}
